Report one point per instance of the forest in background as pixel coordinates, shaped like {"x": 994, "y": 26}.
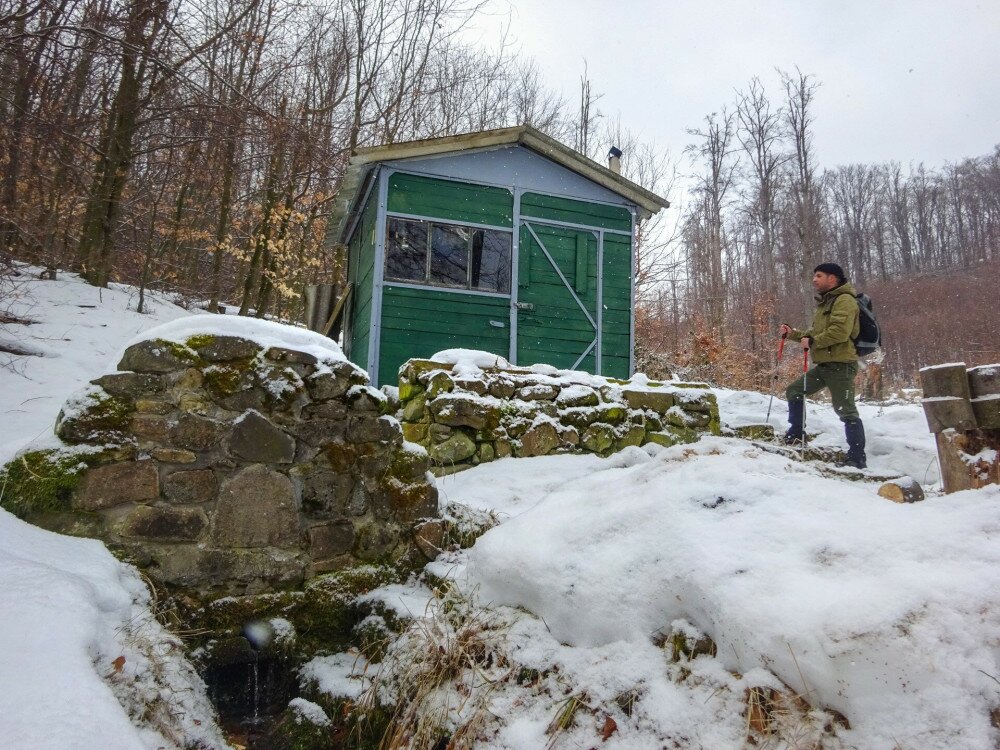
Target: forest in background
{"x": 195, "y": 148}
{"x": 923, "y": 243}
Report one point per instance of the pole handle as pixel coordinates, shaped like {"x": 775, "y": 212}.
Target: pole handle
{"x": 805, "y": 361}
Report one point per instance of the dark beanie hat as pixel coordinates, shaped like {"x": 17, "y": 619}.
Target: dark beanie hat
{"x": 833, "y": 269}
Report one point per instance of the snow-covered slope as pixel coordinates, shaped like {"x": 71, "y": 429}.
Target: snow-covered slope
{"x": 83, "y": 662}
{"x": 889, "y": 614}
{"x": 75, "y": 332}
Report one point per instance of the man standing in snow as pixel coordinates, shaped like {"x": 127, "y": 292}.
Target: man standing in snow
{"x": 835, "y": 361}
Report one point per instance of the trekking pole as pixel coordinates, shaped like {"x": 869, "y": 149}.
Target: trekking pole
{"x": 805, "y": 389}
{"x": 774, "y": 379}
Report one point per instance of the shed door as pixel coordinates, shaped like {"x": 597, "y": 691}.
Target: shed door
{"x": 557, "y": 296}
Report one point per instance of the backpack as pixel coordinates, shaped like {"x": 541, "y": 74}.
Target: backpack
{"x": 869, "y": 338}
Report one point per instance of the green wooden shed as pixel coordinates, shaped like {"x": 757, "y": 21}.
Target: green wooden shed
{"x": 505, "y": 241}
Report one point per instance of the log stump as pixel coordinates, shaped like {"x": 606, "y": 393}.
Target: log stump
{"x": 969, "y": 460}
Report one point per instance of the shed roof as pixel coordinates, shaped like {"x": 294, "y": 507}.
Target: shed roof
{"x": 363, "y": 160}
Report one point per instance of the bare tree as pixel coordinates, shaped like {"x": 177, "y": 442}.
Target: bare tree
{"x": 800, "y": 93}
{"x": 714, "y": 149}
{"x": 759, "y": 129}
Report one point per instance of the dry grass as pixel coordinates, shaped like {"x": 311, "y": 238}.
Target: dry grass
{"x": 439, "y": 676}
{"x": 784, "y": 720}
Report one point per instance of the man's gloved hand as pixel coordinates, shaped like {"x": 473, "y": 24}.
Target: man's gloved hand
{"x": 805, "y": 343}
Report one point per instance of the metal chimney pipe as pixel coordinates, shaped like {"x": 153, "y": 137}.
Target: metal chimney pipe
{"x": 615, "y": 160}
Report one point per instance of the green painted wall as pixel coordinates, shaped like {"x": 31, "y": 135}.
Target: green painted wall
{"x": 453, "y": 201}
{"x": 420, "y": 322}
{"x": 617, "y": 303}
{"x": 361, "y": 272}
{"x": 576, "y": 212}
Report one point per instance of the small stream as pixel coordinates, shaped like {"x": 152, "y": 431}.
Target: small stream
{"x": 250, "y": 689}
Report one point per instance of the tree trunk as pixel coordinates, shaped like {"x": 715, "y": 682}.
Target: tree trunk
{"x": 116, "y": 145}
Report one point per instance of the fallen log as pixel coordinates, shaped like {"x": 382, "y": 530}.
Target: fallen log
{"x": 902, "y": 490}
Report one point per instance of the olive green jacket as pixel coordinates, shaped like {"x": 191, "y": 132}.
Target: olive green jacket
{"x": 835, "y": 324}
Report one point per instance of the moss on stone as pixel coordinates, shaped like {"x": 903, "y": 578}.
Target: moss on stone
{"x": 598, "y": 438}
{"x": 70, "y": 522}
{"x": 373, "y": 636}
{"x": 409, "y": 389}
{"x": 98, "y": 417}
{"x": 41, "y": 481}
{"x": 414, "y": 369}
{"x": 671, "y": 435}
{"x": 225, "y": 380}
{"x": 439, "y": 382}
{"x": 755, "y": 432}
{"x": 685, "y": 647}
{"x": 415, "y": 408}
{"x": 181, "y": 352}
{"x": 415, "y": 432}
{"x": 633, "y": 436}
{"x": 200, "y": 340}
{"x": 408, "y": 466}
{"x": 228, "y": 615}
{"x": 326, "y": 617}
{"x": 293, "y": 731}
{"x": 282, "y": 385}
{"x": 341, "y": 456}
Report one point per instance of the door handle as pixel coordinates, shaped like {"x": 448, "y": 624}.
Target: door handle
{"x": 524, "y": 305}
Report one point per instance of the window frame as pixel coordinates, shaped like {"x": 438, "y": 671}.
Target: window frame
{"x": 427, "y": 282}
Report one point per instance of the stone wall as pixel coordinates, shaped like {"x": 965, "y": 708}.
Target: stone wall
{"x": 465, "y": 416}
{"x": 217, "y": 464}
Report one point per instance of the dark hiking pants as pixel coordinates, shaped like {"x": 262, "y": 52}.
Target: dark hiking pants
{"x": 838, "y": 377}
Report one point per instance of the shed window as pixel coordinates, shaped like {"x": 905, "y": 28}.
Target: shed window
{"x": 438, "y": 254}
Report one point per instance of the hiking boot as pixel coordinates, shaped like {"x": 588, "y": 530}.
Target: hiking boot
{"x": 796, "y": 408}
{"x": 854, "y": 463}
{"x": 855, "y": 432}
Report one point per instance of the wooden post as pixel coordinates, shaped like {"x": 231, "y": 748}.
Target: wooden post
{"x": 963, "y": 411}
{"x": 946, "y": 399}
{"x": 984, "y": 386}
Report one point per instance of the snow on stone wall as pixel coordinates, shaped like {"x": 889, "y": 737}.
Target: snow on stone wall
{"x": 468, "y": 408}
{"x": 232, "y": 464}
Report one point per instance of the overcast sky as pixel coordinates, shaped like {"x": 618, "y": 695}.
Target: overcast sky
{"x": 904, "y": 80}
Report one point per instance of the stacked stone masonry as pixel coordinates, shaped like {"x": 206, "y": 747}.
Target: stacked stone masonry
{"x": 228, "y": 467}
{"x": 466, "y": 418}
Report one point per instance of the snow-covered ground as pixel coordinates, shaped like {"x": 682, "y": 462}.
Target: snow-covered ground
{"x": 76, "y": 331}
{"x": 83, "y": 662}
{"x": 888, "y": 614}
{"x": 82, "y": 658}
